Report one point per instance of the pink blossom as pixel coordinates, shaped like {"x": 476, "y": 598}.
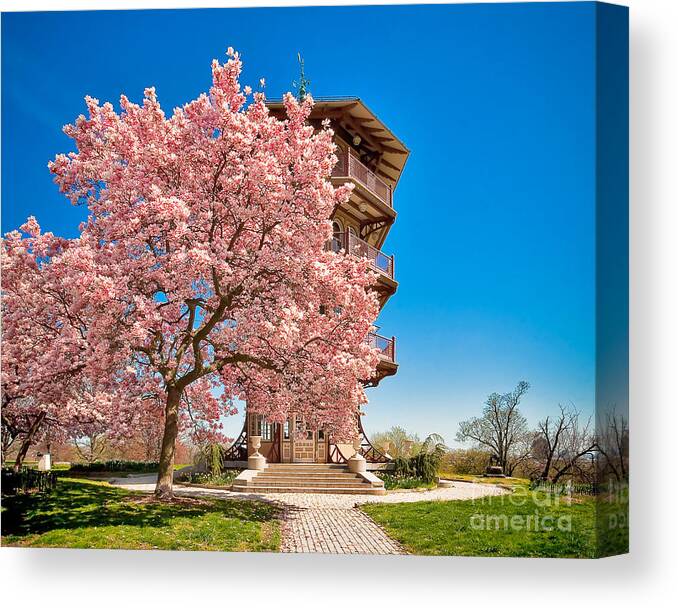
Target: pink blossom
{"x": 202, "y": 269}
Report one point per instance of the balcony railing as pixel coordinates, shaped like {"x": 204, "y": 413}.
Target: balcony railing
{"x": 356, "y": 246}
{"x": 386, "y": 346}
{"x": 349, "y": 166}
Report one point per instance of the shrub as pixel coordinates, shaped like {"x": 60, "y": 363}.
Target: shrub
{"x": 394, "y": 482}
{"x": 466, "y": 462}
{"x": 424, "y": 465}
{"x": 224, "y": 478}
{"x": 210, "y": 457}
{"x": 27, "y": 480}
{"x": 114, "y": 466}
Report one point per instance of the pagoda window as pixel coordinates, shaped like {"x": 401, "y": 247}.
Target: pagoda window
{"x": 266, "y": 430}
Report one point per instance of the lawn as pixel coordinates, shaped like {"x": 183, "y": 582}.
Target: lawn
{"x": 523, "y": 524}
{"x": 502, "y": 481}
{"x": 89, "y": 514}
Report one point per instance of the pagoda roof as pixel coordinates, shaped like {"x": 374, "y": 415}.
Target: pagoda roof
{"x": 358, "y": 119}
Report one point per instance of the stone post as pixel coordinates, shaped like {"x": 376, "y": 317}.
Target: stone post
{"x": 357, "y": 462}
{"x": 256, "y": 461}
{"x": 385, "y": 447}
{"x": 45, "y": 462}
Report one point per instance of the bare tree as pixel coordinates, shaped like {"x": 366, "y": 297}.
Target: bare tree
{"x": 90, "y": 446}
{"x": 502, "y": 429}
{"x": 520, "y": 453}
{"x": 150, "y": 439}
{"x": 561, "y": 443}
{"x": 613, "y": 446}
{"x": 577, "y": 443}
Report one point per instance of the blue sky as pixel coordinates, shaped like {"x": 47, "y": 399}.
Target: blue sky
{"x": 494, "y": 241}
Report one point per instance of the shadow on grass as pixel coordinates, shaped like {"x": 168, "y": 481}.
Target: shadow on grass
{"x": 82, "y": 504}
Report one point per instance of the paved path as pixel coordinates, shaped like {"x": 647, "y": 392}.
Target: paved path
{"x": 327, "y": 523}
{"x": 331, "y": 530}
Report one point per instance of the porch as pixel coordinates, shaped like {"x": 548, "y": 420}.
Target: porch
{"x": 304, "y": 447}
{"x": 354, "y": 245}
{"x": 375, "y": 188}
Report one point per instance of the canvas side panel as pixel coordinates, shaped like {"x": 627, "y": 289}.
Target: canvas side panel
{"x": 612, "y": 277}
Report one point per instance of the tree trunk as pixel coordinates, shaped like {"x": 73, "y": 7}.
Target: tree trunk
{"x": 163, "y": 488}
{"x": 547, "y": 467}
{"x": 28, "y": 441}
{"x": 559, "y": 474}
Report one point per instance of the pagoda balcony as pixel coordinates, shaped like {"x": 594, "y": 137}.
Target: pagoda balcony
{"x": 349, "y": 242}
{"x": 350, "y": 167}
{"x": 385, "y": 346}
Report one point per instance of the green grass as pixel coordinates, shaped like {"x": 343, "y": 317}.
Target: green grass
{"x": 504, "y": 481}
{"x": 495, "y": 526}
{"x": 88, "y": 514}
{"x": 613, "y": 520}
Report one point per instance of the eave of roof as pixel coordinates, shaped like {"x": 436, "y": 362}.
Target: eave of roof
{"x": 397, "y": 159}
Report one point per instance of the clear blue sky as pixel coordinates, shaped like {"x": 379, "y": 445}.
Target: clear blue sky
{"x": 494, "y": 240}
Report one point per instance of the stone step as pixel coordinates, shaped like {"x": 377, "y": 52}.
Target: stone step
{"x": 306, "y": 482}
{"x": 309, "y": 476}
{"x": 366, "y": 489}
{"x": 309, "y": 484}
{"x": 306, "y": 467}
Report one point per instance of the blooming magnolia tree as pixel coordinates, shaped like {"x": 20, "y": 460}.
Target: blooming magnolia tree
{"x": 48, "y": 392}
{"x": 43, "y": 338}
{"x": 45, "y": 388}
{"x": 209, "y": 270}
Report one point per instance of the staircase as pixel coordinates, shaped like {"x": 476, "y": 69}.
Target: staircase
{"x": 310, "y": 478}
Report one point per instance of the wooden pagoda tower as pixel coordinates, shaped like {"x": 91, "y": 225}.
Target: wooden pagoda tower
{"x": 372, "y": 158}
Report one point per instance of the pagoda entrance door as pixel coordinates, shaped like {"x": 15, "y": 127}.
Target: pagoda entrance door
{"x": 300, "y": 443}
{"x": 303, "y": 449}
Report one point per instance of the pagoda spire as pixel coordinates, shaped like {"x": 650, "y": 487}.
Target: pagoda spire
{"x": 303, "y": 84}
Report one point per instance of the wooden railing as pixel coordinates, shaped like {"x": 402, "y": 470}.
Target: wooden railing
{"x": 334, "y": 454}
{"x": 349, "y": 166}
{"x": 27, "y": 480}
{"x": 355, "y": 245}
{"x": 386, "y": 346}
{"x": 238, "y": 449}
{"x": 368, "y": 451}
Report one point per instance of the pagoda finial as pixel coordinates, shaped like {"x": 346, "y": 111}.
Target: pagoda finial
{"x": 302, "y": 85}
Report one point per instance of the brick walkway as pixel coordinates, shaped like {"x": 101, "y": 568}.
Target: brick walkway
{"x": 313, "y": 530}
{"x": 328, "y": 523}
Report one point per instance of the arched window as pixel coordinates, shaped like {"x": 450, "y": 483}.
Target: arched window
{"x": 353, "y": 242}
{"x": 337, "y": 236}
